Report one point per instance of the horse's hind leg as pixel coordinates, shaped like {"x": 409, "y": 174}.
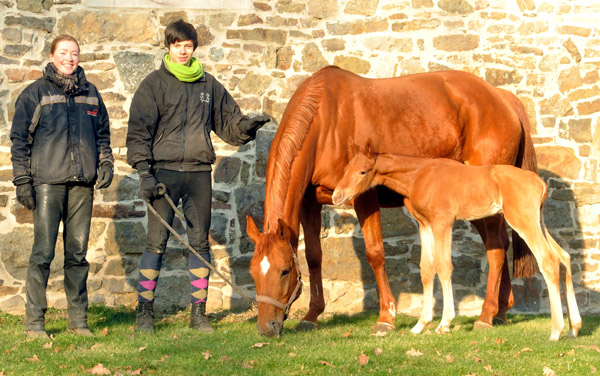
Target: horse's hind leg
{"x": 427, "y": 277}
{"x": 443, "y": 267}
{"x": 310, "y": 217}
{"x": 367, "y": 211}
{"x": 568, "y": 289}
{"x": 498, "y": 297}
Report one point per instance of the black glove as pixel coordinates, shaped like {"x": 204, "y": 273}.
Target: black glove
{"x": 148, "y": 189}
{"x": 250, "y": 126}
{"x": 105, "y": 175}
{"x": 25, "y": 193}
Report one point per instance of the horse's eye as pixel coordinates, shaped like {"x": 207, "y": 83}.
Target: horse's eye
{"x": 285, "y": 272}
{"x": 363, "y": 172}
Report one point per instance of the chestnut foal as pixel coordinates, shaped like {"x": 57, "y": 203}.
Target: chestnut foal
{"x": 439, "y": 191}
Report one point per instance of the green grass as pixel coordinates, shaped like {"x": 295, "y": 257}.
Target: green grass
{"x": 235, "y": 348}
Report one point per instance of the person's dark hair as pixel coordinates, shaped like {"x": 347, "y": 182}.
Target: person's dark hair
{"x": 61, "y": 38}
{"x": 180, "y": 31}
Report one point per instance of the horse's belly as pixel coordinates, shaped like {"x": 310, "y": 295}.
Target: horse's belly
{"x": 474, "y": 212}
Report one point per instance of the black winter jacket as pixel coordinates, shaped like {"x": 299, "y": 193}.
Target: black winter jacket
{"x": 170, "y": 122}
{"x": 58, "y": 138}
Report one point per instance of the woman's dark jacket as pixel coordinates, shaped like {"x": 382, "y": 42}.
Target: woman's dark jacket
{"x": 58, "y": 138}
{"x": 170, "y": 122}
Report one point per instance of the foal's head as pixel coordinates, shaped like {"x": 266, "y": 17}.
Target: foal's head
{"x": 275, "y": 275}
{"x": 358, "y": 177}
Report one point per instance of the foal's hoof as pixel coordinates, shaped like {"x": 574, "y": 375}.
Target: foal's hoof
{"x": 382, "y": 328}
{"x": 499, "y": 321}
{"x": 306, "y": 326}
{"x": 480, "y": 325}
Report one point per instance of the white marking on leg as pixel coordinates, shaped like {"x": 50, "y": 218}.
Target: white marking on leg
{"x": 265, "y": 265}
{"x": 392, "y": 310}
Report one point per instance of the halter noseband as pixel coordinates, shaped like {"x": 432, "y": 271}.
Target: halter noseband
{"x": 293, "y": 297}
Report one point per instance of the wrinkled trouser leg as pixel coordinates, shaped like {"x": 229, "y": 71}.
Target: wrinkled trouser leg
{"x": 73, "y": 204}
{"x": 76, "y": 233}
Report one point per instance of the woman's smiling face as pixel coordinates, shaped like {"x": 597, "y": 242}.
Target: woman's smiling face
{"x": 65, "y": 57}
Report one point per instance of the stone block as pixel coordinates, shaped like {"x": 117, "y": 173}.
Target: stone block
{"x": 366, "y": 8}
{"x": 456, "y": 6}
{"x": 457, "y": 42}
{"x": 559, "y": 160}
{"x": 133, "y": 67}
{"x": 312, "y": 58}
{"x": 42, "y": 23}
{"x": 106, "y": 26}
{"x": 125, "y": 237}
{"x": 353, "y": 64}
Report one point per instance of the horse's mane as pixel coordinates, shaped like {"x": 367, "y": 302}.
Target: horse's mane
{"x": 294, "y": 128}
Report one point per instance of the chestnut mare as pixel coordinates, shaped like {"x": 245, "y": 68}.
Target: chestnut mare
{"x": 447, "y": 114}
{"x": 439, "y": 191}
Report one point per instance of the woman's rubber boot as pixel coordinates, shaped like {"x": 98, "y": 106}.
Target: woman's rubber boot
{"x": 198, "y": 319}
{"x": 144, "y": 322}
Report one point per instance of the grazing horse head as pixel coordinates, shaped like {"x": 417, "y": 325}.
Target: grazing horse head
{"x": 276, "y": 274}
{"x": 358, "y": 176}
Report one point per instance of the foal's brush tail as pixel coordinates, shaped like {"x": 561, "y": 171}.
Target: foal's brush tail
{"x": 524, "y": 263}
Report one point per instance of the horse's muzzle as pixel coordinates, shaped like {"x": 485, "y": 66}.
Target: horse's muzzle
{"x": 273, "y": 329}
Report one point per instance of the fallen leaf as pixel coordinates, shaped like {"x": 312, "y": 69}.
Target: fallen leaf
{"x": 292, "y": 354}
{"x": 33, "y": 359}
{"x": 175, "y": 335}
{"x": 488, "y": 368}
{"x": 456, "y": 327}
{"x": 363, "y": 359}
{"x": 326, "y": 363}
{"x": 56, "y": 350}
{"x": 47, "y": 345}
{"x": 378, "y": 351}
{"x": 136, "y": 372}
{"x": 449, "y": 358}
{"x": 413, "y": 352}
{"x": 594, "y": 370}
{"x": 347, "y": 334}
{"x": 207, "y": 354}
{"x": 104, "y": 332}
{"x": 249, "y": 364}
{"x": 142, "y": 349}
{"x": 224, "y": 358}
{"x": 99, "y": 369}
{"x": 500, "y": 340}
{"x": 549, "y": 372}
{"x": 477, "y": 359}
{"x": 595, "y": 347}
{"x": 259, "y": 344}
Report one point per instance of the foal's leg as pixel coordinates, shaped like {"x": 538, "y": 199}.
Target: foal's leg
{"x": 367, "y": 210}
{"x": 568, "y": 290}
{"x": 427, "y": 276}
{"x": 310, "y": 217}
{"x": 442, "y": 233}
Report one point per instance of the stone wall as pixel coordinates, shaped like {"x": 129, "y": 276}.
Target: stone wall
{"x": 545, "y": 51}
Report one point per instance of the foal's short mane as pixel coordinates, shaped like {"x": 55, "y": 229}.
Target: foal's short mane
{"x": 295, "y": 126}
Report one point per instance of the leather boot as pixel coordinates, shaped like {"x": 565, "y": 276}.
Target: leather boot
{"x": 145, "y": 317}
{"x": 198, "y": 319}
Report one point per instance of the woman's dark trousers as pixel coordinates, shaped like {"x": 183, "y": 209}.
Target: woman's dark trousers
{"x": 71, "y": 204}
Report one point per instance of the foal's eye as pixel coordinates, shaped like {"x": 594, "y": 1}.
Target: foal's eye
{"x": 363, "y": 172}
{"x": 285, "y": 272}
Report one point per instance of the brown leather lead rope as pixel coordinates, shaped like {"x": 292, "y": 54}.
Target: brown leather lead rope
{"x": 162, "y": 190}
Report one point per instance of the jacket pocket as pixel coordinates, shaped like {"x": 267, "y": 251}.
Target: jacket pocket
{"x": 160, "y": 136}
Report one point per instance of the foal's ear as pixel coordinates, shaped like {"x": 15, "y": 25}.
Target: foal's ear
{"x": 251, "y": 229}
{"x": 283, "y": 230}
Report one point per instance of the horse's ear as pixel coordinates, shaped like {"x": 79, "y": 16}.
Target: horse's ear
{"x": 283, "y": 230}
{"x": 251, "y": 229}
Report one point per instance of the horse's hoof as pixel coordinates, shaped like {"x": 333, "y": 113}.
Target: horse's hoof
{"x": 382, "y": 328}
{"x": 306, "y": 326}
{"x": 480, "y": 325}
{"x": 442, "y": 330}
{"x": 499, "y": 321}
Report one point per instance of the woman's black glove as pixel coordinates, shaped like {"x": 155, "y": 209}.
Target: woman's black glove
{"x": 25, "y": 193}
{"x": 105, "y": 175}
{"x": 148, "y": 189}
{"x": 250, "y": 126}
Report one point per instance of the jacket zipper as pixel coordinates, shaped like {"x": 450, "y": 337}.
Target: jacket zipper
{"x": 184, "y": 128}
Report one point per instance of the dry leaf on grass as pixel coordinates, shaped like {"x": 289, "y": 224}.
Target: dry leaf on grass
{"x": 142, "y": 349}
{"x": 363, "y": 359}
{"x": 104, "y": 332}
{"x": 593, "y": 369}
{"x": 449, "y": 358}
{"x": 325, "y": 363}
{"x": 413, "y": 352}
{"x": 347, "y": 334}
{"x": 549, "y": 372}
{"x": 207, "y": 355}
{"x": 259, "y": 344}
{"x": 99, "y": 369}
{"x": 47, "y": 345}
{"x": 33, "y": 359}
{"x": 378, "y": 351}
{"x": 224, "y": 358}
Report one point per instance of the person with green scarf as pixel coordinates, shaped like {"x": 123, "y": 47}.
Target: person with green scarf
{"x": 172, "y": 114}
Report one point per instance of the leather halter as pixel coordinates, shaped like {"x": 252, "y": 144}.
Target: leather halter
{"x": 293, "y": 297}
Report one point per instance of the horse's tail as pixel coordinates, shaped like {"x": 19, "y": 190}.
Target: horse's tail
{"x": 524, "y": 263}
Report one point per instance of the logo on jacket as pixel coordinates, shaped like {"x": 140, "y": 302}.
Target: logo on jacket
{"x": 204, "y": 98}
{"x": 93, "y": 113}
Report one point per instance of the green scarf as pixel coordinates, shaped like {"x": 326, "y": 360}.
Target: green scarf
{"x": 185, "y": 73}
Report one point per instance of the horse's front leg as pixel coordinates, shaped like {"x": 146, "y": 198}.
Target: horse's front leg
{"x": 367, "y": 211}
{"x": 427, "y": 266}
{"x": 442, "y": 230}
{"x": 498, "y": 297}
{"x": 310, "y": 218}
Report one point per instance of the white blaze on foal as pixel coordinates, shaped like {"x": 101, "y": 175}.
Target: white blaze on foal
{"x": 265, "y": 265}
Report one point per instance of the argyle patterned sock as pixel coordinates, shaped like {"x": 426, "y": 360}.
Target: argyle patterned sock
{"x": 199, "y": 274}
{"x": 149, "y": 270}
